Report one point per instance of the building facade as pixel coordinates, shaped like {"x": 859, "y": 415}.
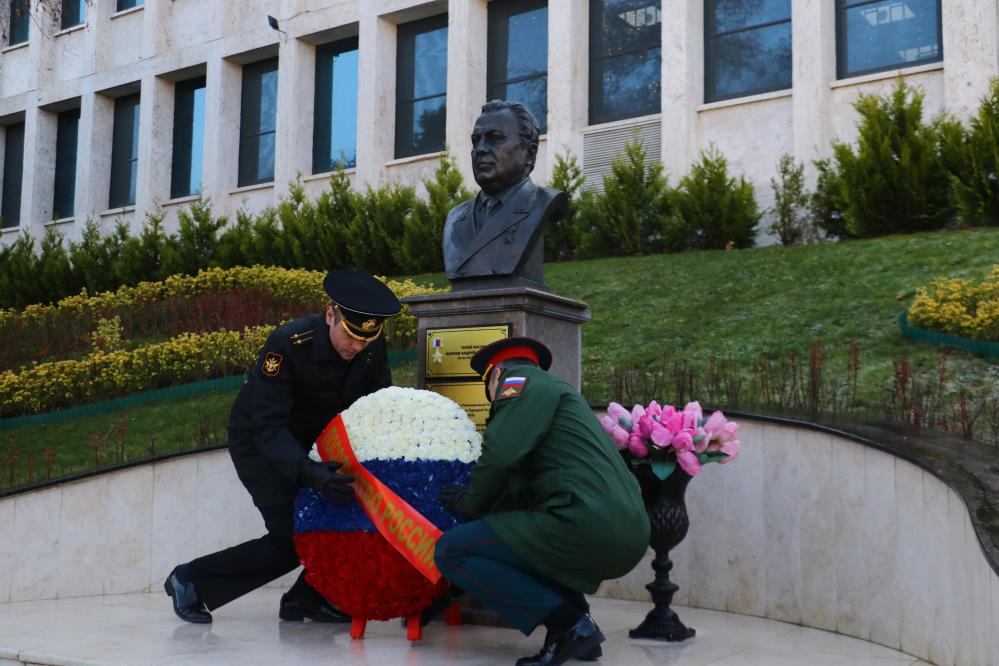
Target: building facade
{"x": 110, "y": 109}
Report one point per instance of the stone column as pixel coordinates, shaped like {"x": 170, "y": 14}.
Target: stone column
{"x": 682, "y": 82}
{"x": 971, "y": 53}
{"x": 222, "y": 107}
{"x": 375, "y": 96}
{"x": 38, "y": 167}
{"x": 93, "y": 183}
{"x": 296, "y": 101}
{"x": 568, "y": 81}
{"x": 466, "y": 77}
{"x": 813, "y": 69}
{"x": 152, "y": 185}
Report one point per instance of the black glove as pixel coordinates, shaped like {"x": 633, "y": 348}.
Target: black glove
{"x": 323, "y": 478}
{"x": 452, "y": 498}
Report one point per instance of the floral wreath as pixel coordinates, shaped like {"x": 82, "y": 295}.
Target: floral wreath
{"x": 415, "y": 442}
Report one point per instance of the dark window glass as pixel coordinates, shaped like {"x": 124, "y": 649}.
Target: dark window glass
{"x": 421, "y": 87}
{"x": 625, "y": 78}
{"x": 886, "y": 34}
{"x": 124, "y": 151}
{"x": 334, "y": 142}
{"x": 128, "y": 4}
{"x": 74, "y": 12}
{"x": 747, "y": 47}
{"x": 65, "y": 169}
{"x": 19, "y": 19}
{"x": 13, "y": 165}
{"x": 188, "y": 138}
{"x": 517, "y": 55}
{"x": 258, "y": 122}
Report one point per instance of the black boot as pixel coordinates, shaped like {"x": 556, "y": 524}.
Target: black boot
{"x": 580, "y": 642}
{"x": 316, "y": 609}
{"x": 186, "y": 603}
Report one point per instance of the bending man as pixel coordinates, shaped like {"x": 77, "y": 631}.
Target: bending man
{"x": 572, "y": 514}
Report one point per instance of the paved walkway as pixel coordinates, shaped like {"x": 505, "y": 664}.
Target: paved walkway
{"x": 136, "y": 629}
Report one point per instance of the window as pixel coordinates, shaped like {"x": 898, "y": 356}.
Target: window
{"x": 20, "y": 17}
{"x": 421, "y": 87}
{"x": 258, "y": 122}
{"x": 886, "y": 34}
{"x": 747, "y": 47}
{"x": 517, "y": 55}
{"x": 128, "y": 4}
{"x": 124, "y": 151}
{"x": 74, "y": 12}
{"x": 334, "y": 141}
{"x": 13, "y": 166}
{"x": 65, "y": 168}
{"x": 188, "y": 138}
{"x": 625, "y": 77}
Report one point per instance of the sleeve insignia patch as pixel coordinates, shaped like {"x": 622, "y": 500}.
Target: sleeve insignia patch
{"x": 511, "y": 388}
{"x": 271, "y": 365}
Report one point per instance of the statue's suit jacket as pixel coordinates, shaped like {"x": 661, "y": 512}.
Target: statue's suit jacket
{"x": 511, "y": 245}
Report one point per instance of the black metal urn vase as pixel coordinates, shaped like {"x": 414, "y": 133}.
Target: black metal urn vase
{"x": 668, "y": 517}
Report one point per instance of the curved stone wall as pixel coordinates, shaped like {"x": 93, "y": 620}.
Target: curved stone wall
{"x": 805, "y": 527}
{"x": 815, "y": 529}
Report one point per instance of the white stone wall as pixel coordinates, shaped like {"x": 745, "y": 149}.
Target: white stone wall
{"x": 812, "y": 529}
{"x": 804, "y": 527}
{"x": 148, "y": 48}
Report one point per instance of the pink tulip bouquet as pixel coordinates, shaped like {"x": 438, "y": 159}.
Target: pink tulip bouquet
{"x": 663, "y": 437}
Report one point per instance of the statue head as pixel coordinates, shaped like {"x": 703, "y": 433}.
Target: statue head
{"x": 504, "y": 145}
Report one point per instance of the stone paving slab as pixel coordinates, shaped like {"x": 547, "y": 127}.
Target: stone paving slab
{"x": 137, "y": 629}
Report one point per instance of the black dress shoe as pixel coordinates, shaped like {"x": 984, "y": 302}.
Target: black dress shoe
{"x": 317, "y": 610}
{"x": 186, "y": 603}
{"x": 580, "y": 642}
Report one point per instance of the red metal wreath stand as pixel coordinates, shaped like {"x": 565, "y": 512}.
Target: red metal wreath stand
{"x": 414, "y": 630}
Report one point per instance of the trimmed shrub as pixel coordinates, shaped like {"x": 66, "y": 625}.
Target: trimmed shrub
{"x": 422, "y": 236}
{"x": 627, "y": 218}
{"x": 895, "y": 179}
{"x": 711, "y": 209}
{"x": 976, "y": 192}
{"x": 792, "y": 223}
{"x": 826, "y": 203}
{"x": 560, "y": 236}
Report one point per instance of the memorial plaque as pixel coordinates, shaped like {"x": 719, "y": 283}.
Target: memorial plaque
{"x": 449, "y": 350}
{"x": 470, "y": 395}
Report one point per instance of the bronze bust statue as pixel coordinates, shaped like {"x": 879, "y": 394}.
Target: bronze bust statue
{"x": 496, "y": 239}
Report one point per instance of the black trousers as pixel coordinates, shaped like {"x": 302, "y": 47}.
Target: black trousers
{"x": 229, "y": 574}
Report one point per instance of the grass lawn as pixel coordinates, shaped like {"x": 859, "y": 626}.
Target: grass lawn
{"x": 732, "y": 310}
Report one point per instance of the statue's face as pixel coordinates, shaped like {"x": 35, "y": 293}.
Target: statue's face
{"x": 498, "y": 158}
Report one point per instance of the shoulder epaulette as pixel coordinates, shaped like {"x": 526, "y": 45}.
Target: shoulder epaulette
{"x": 302, "y": 338}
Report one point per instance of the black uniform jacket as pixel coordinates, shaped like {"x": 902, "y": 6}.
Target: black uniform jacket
{"x": 298, "y": 384}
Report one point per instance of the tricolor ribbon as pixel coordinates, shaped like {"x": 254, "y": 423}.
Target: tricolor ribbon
{"x": 402, "y": 526}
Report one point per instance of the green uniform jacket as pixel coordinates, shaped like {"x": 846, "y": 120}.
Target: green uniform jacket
{"x": 577, "y": 513}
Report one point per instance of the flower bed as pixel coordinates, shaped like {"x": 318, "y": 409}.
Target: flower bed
{"x": 959, "y": 307}
{"x": 214, "y": 298}
{"x": 186, "y": 358}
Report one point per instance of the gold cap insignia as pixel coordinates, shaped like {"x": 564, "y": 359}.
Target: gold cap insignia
{"x": 369, "y": 325}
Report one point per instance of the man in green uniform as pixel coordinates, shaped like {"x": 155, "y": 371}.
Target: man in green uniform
{"x": 556, "y": 509}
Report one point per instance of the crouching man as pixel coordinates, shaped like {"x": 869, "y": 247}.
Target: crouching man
{"x": 556, "y": 510}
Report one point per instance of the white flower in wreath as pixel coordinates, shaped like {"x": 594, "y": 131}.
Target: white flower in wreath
{"x": 410, "y": 424}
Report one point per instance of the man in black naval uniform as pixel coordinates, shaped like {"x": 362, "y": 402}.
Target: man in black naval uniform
{"x": 308, "y": 371}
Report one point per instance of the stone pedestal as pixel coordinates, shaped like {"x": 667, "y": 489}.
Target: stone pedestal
{"x": 554, "y": 320}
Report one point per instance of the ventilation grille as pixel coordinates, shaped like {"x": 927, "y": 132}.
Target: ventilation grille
{"x": 601, "y": 146}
